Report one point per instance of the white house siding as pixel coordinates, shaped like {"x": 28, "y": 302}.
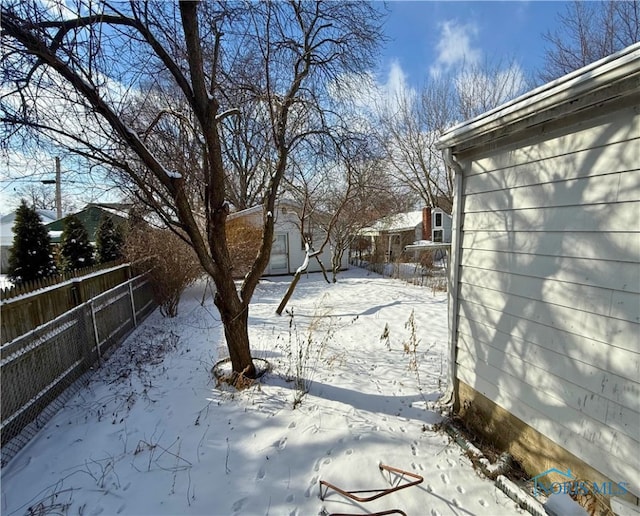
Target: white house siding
{"x": 549, "y": 286}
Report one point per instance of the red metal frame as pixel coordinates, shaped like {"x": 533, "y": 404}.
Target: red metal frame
{"x": 383, "y": 513}
{"x": 395, "y": 486}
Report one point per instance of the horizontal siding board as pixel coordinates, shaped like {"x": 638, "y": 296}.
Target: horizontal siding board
{"x": 585, "y": 365}
{"x": 506, "y": 353}
{"x": 625, "y": 128}
{"x": 617, "y": 463}
{"x": 616, "y": 304}
{"x": 622, "y": 216}
{"x": 565, "y": 168}
{"x": 546, "y": 392}
{"x": 620, "y": 361}
{"x": 623, "y": 246}
{"x": 610, "y": 331}
{"x": 594, "y": 273}
{"x": 609, "y": 188}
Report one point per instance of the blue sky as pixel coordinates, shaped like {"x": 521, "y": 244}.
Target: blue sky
{"x": 425, "y": 34}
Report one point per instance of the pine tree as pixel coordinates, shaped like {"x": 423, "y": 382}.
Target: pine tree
{"x": 30, "y": 257}
{"x": 76, "y": 251}
{"x": 109, "y": 241}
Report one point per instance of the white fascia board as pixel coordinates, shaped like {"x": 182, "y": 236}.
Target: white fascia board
{"x": 245, "y": 212}
{"x": 561, "y": 91}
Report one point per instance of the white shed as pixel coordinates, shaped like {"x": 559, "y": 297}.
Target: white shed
{"x": 288, "y": 249}
{"x": 545, "y": 281}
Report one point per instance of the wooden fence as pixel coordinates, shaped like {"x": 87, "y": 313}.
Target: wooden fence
{"x": 22, "y": 313}
{"x": 43, "y": 362}
{"x": 38, "y": 284}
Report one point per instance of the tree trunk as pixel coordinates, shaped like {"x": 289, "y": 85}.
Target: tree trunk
{"x": 235, "y": 319}
{"x": 289, "y": 293}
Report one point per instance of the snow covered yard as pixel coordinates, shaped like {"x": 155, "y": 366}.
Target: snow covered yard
{"x": 152, "y": 433}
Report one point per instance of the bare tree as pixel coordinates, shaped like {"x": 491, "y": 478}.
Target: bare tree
{"x": 588, "y": 31}
{"x": 412, "y": 122}
{"x": 371, "y": 194}
{"x": 42, "y": 196}
{"x": 122, "y": 79}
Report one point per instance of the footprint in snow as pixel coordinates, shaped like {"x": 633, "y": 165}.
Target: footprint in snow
{"x": 312, "y": 486}
{"x": 445, "y": 478}
{"x": 237, "y": 505}
{"x": 261, "y": 473}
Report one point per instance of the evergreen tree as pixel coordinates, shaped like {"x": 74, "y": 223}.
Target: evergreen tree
{"x": 76, "y": 251}
{"x": 31, "y": 256}
{"x": 109, "y": 241}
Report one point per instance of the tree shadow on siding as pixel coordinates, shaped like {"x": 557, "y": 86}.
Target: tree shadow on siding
{"x": 553, "y": 362}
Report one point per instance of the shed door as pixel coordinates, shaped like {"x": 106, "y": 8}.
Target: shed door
{"x": 279, "y": 262}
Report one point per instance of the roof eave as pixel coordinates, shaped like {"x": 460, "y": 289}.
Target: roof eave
{"x": 619, "y": 67}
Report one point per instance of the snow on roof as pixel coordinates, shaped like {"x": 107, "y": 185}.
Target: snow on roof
{"x": 7, "y": 222}
{"x": 282, "y": 203}
{"x": 395, "y": 223}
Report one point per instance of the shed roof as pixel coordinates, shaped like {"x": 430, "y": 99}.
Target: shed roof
{"x": 611, "y": 77}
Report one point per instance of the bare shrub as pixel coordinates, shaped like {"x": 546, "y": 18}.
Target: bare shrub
{"x": 244, "y": 243}
{"x": 426, "y": 259}
{"x": 174, "y": 265}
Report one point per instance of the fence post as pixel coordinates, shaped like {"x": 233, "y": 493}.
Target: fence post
{"x": 76, "y": 289}
{"x": 133, "y": 304}
{"x": 95, "y": 330}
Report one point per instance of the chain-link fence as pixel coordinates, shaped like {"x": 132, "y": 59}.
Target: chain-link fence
{"x": 433, "y": 276}
{"x": 41, "y": 369}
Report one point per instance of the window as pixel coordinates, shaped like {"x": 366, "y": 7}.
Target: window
{"x": 438, "y": 223}
{"x": 437, "y": 235}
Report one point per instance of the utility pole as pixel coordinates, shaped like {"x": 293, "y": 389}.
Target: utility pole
{"x": 58, "y": 190}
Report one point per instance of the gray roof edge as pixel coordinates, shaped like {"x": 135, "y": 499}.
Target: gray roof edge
{"x": 610, "y": 69}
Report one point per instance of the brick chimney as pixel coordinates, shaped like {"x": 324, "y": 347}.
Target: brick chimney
{"x": 426, "y": 223}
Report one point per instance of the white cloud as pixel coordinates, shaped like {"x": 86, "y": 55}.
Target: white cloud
{"x": 59, "y": 9}
{"x": 455, "y": 47}
{"x": 396, "y": 80}
{"x": 374, "y": 97}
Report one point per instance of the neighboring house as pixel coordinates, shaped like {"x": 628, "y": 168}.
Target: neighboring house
{"x": 545, "y": 276}
{"x": 288, "y": 249}
{"x": 390, "y": 235}
{"x": 437, "y": 223}
{"x": 90, "y": 216}
{"x": 6, "y": 234}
